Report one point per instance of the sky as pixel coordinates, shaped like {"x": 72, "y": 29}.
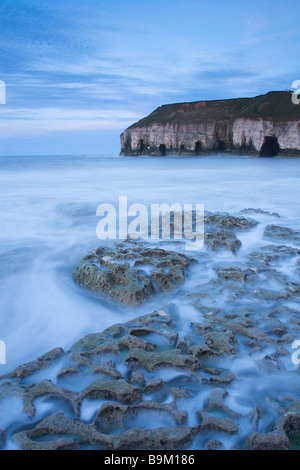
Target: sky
{"x": 77, "y": 73}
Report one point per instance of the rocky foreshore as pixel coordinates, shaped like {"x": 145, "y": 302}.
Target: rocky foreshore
{"x": 160, "y": 381}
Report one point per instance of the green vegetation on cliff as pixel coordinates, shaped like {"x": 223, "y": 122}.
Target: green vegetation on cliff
{"x": 274, "y": 106}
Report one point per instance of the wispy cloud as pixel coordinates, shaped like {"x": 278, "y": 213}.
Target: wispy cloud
{"x": 76, "y": 65}
{"x": 37, "y": 121}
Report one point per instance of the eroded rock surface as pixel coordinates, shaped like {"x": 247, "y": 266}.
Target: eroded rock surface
{"x": 278, "y": 232}
{"x": 133, "y": 272}
{"x": 119, "y": 273}
{"x": 215, "y": 362}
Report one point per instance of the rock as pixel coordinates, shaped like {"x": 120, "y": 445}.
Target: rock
{"x": 221, "y": 343}
{"x": 137, "y": 377}
{"x": 278, "y": 232}
{"x": 163, "y": 281}
{"x": 121, "y": 283}
{"x": 38, "y": 364}
{"x": 246, "y": 330}
{"x": 29, "y": 393}
{"x": 283, "y": 310}
{"x": 182, "y": 344}
{"x": 222, "y": 240}
{"x": 108, "y": 368}
{"x": 58, "y": 425}
{"x": 225, "y": 221}
{"x": 130, "y": 341}
{"x": 255, "y": 416}
{"x": 177, "y": 274}
{"x": 179, "y": 417}
{"x": 59, "y": 444}
{"x": 233, "y": 291}
{"x": 164, "y": 331}
{"x": 261, "y": 260}
{"x": 270, "y": 441}
{"x": 216, "y": 402}
{"x": 232, "y": 274}
{"x": 294, "y": 288}
{"x": 202, "y": 351}
{"x": 153, "y": 385}
{"x": 152, "y": 360}
{"x": 118, "y": 338}
{"x": 286, "y": 427}
{"x": 280, "y": 351}
{"x": 103, "y": 271}
{"x": 282, "y": 250}
{"x": 241, "y": 315}
{"x": 289, "y": 422}
{"x": 265, "y": 294}
{"x": 294, "y": 407}
{"x": 66, "y": 372}
{"x": 209, "y": 423}
{"x": 119, "y": 390}
{"x": 158, "y": 439}
{"x": 259, "y": 211}
{"x": 110, "y": 418}
{"x": 208, "y": 312}
{"x": 179, "y": 392}
{"x": 224, "y": 379}
{"x": 87, "y": 435}
{"x": 213, "y": 445}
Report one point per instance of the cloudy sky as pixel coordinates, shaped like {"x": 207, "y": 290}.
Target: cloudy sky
{"x": 78, "y": 73}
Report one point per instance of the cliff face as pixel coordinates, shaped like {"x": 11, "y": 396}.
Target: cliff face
{"x": 266, "y": 125}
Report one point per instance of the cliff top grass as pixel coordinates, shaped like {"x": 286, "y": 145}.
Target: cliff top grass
{"x": 276, "y": 106}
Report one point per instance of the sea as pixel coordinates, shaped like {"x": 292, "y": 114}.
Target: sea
{"x": 48, "y": 224}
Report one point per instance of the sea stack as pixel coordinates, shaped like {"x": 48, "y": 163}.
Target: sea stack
{"x": 267, "y": 125}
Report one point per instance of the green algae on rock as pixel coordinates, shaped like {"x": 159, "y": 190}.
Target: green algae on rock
{"x": 110, "y": 272}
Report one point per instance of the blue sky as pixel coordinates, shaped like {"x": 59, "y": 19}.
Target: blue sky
{"x": 78, "y": 73}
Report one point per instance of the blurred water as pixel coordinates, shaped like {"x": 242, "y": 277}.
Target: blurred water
{"x": 48, "y": 223}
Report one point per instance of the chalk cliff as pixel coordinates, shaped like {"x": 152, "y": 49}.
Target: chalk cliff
{"x": 267, "y": 125}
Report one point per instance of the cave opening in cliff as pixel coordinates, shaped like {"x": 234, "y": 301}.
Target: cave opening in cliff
{"x": 163, "y": 150}
{"x": 198, "y": 147}
{"x": 141, "y": 146}
{"x": 270, "y": 147}
{"x": 220, "y": 146}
